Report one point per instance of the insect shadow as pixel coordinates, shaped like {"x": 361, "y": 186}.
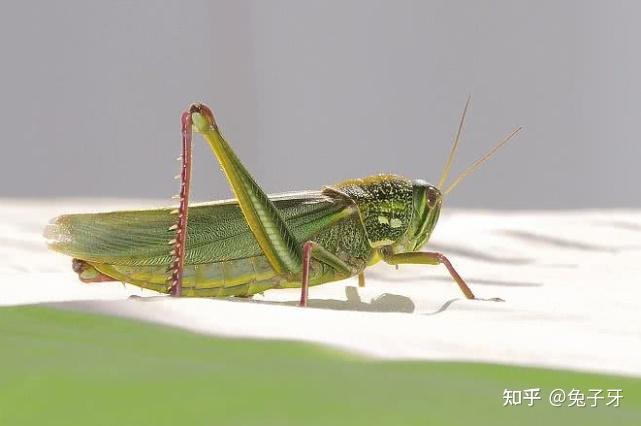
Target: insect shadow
{"x": 480, "y": 255}
{"x": 557, "y": 242}
{"x": 476, "y": 281}
{"x": 384, "y": 303}
{"x": 443, "y": 307}
{"x": 628, "y": 226}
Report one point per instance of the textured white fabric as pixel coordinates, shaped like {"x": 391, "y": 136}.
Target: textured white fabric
{"x": 571, "y": 283}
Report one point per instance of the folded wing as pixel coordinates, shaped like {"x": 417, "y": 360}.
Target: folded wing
{"x": 216, "y": 231}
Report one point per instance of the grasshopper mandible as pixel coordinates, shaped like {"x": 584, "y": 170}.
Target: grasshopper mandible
{"x": 258, "y": 242}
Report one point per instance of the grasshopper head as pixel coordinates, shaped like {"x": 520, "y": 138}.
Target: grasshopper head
{"x": 202, "y": 118}
{"x": 427, "y": 202}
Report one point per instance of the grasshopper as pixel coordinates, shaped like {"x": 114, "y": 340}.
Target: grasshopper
{"x": 258, "y": 242}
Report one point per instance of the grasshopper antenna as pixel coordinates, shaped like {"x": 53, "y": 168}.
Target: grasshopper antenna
{"x": 452, "y": 155}
{"x": 480, "y": 161}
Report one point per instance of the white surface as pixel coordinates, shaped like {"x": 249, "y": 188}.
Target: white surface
{"x": 571, "y": 281}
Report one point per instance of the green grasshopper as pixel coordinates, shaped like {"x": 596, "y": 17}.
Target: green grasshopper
{"x": 258, "y": 242}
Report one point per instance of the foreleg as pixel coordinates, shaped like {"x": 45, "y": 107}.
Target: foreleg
{"x": 430, "y": 258}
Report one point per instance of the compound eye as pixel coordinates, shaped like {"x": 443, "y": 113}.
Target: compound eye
{"x": 432, "y": 197}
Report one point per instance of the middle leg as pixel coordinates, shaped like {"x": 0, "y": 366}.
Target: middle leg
{"x": 318, "y": 252}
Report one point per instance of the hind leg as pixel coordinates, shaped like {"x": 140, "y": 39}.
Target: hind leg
{"x": 87, "y": 273}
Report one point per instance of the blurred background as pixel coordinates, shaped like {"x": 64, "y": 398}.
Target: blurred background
{"x": 310, "y": 93}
